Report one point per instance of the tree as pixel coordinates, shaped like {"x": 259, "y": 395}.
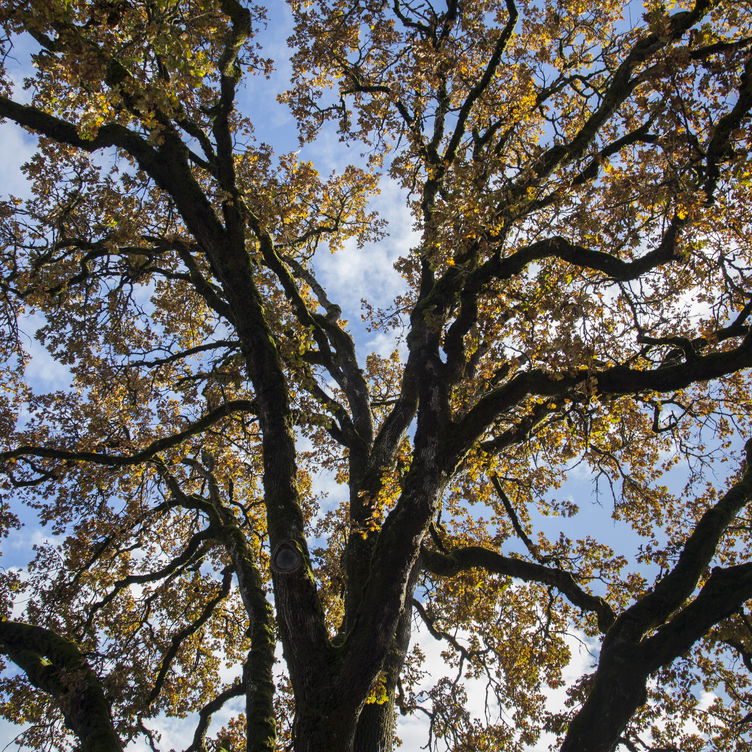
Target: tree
{"x": 579, "y": 296}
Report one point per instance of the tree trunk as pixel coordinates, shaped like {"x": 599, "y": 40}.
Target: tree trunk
{"x": 618, "y": 690}
{"x": 327, "y": 721}
{"x": 324, "y": 726}
{"x": 376, "y": 724}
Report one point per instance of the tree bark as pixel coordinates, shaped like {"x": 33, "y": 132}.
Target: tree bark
{"x": 377, "y": 722}
{"x": 376, "y": 726}
{"x": 618, "y": 690}
{"x": 324, "y": 726}
{"x": 57, "y": 666}
{"x": 329, "y": 715}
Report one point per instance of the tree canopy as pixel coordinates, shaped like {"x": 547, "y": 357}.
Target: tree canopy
{"x": 577, "y": 302}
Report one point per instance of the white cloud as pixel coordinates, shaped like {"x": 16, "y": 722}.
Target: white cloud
{"x": 17, "y": 147}
{"x": 356, "y": 273}
{"x": 174, "y": 733}
{"x": 413, "y": 730}
{"x": 43, "y": 372}
{"x": 27, "y": 537}
{"x": 384, "y": 343}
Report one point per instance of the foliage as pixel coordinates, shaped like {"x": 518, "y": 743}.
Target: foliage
{"x": 577, "y": 302}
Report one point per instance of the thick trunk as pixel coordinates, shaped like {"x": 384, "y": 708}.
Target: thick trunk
{"x": 337, "y": 727}
{"x": 325, "y": 715}
{"x": 334, "y": 725}
{"x": 331, "y": 729}
{"x": 376, "y": 726}
{"x": 326, "y": 725}
{"x": 618, "y": 690}
{"x": 330, "y": 720}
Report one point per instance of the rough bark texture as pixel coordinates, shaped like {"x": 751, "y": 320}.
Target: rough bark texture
{"x": 55, "y": 665}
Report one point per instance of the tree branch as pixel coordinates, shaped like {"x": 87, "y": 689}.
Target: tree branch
{"x": 438, "y": 634}
{"x": 114, "y": 460}
{"x": 617, "y": 91}
{"x": 188, "y": 555}
{"x": 616, "y": 380}
{"x": 725, "y": 592}
{"x": 186, "y": 632}
{"x": 470, "y": 557}
{"x": 56, "y": 666}
{"x": 483, "y": 83}
{"x": 672, "y": 590}
{"x": 205, "y": 714}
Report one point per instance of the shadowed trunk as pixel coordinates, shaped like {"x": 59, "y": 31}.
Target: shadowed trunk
{"x": 330, "y": 722}
{"x": 377, "y": 722}
{"x": 618, "y": 690}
